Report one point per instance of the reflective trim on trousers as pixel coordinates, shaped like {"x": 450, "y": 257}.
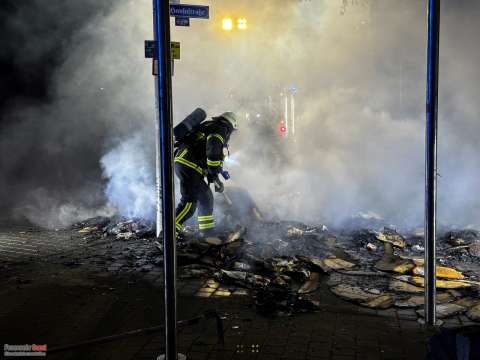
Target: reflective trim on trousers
{"x": 182, "y": 215}
{"x": 206, "y": 218}
{"x": 209, "y": 225}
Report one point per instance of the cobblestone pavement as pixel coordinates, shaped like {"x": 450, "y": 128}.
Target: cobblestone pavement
{"x": 69, "y": 290}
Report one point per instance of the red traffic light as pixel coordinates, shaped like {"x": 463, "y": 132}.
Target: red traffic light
{"x": 282, "y": 128}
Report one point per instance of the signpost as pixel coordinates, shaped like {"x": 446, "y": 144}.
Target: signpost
{"x": 163, "y": 51}
{"x": 164, "y": 161}
{"x": 190, "y": 11}
{"x": 151, "y": 53}
{"x": 175, "y": 49}
{"x": 431, "y": 160}
{"x": 182, "y": 21}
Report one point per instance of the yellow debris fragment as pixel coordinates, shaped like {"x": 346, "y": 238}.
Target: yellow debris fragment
{"x": 391, "y": 237}
{"x": 211, "y": 283}
{"x": 337, "y": 263}
{"x": 442, "y": 272}
{"x": 394, "y": 263}
{"x": 401, "y": 286}
{"x": 381, "y": 302}
{"x": 419, "y": 262}
{"x": 222, "y": 292}
{"x": 292, "y": 231}
{"x": 441, "y": 284}
{"x": 87, "y": 229}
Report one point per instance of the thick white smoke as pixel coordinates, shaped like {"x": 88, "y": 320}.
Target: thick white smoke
{"x": 360, "y": 74}
{"x": 131, "y": 182}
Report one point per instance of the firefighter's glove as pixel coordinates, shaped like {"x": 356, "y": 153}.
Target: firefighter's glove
{"x": 212, "y": 178}
{"x": 219, "y": 186}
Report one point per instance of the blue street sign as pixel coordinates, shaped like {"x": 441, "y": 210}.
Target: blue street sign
{"x": 189, "y": 11}
{"x": 182, "y": 21}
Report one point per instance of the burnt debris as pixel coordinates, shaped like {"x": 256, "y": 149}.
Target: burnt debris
{"x": 282, "y": 265}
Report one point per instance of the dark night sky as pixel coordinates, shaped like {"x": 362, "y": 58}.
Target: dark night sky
{"x": 34, "y": 38}
{"x": 33, "y": 42}
{"x": 18, "y": 80}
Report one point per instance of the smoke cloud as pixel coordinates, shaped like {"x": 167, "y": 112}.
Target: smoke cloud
{"x": 359, "y": 70}
{"x": 131, "y": 182}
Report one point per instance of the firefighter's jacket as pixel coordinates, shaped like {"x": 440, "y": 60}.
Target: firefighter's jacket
{"x": 203, "y": 149}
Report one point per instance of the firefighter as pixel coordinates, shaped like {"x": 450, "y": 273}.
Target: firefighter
{"x": 198, "y": 156}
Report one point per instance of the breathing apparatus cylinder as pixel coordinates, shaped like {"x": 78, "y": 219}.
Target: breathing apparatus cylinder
{"x": 189, "y": 123}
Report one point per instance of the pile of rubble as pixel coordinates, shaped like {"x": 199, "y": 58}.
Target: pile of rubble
{"x": 396, "y": 275}
{"x": 282, "y": 263}
{"x": 122, "y": 229}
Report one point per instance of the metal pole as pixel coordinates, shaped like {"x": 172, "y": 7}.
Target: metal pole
{"x": 292, "y": 112}
{"x": 431, "y": 160}
{"x": 165, "y": 180}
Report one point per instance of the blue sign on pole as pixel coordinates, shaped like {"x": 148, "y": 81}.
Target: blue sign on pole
{"x": 190, "y": 11}
{"x": 182, "y": 21}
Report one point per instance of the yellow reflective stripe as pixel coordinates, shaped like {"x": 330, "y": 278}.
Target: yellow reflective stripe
{"x": 206, "y": 226}
{"x": 190, "y": 164}
{"x": 181, "y": 160}
{"x": 182, "y": 154}
{"x": 214, "y": 162}
{"x": 183, "y": 213}
{"x": 206, "y": 218}
{"x": 218, "y": 136}
{"x": 178, "y": 226}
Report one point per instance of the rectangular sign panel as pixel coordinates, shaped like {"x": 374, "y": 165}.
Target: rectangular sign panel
{"x": 150, "y": 52}
{"x": 181, "y": 21}
{"x": 190, "y": 11}
{"x": 149, "y": 49}
{"x": 175, "y": 47}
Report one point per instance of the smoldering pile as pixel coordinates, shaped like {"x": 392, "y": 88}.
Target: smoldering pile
{"x": 119, "y": 227}
{"x": 281, "y": 265}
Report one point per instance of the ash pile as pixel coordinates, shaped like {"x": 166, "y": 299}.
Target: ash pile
{"x": 282, "y": 265}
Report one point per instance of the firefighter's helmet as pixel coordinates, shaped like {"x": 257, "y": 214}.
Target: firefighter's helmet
{"x": 231, "y": 117}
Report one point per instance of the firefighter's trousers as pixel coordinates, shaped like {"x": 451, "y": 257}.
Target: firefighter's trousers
{"x": 194, "y": 189}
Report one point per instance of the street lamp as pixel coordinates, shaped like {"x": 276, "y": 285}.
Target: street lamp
{"x": 242, "y": 24}
{"x": 227, "y": 24}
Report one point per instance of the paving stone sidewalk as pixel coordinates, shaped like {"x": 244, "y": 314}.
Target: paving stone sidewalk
{"x": 52, "y": 299}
